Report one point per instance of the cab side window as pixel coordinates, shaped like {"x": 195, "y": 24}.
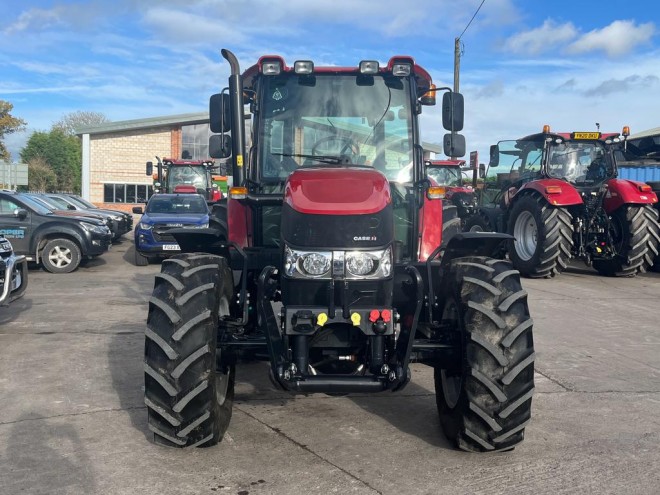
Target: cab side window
{"x": 7, "y": 207}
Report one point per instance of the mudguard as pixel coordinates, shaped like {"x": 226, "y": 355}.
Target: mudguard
{"x": 567, "y": 195}
{"x": 624, "y": 191}
{"x": 430, "y": 227}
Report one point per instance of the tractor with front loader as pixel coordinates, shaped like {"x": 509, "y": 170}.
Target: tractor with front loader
{"x": 560, "y": 198}
{"x": 324, "y": 262}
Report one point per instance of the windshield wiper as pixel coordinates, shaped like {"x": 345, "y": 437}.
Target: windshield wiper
{"x": 331, "y": 159}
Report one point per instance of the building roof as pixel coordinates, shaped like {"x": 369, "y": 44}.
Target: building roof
{"x": 126, "y": 125}
{"x": 170, "y": 120}
{"x": 650, "y": 132}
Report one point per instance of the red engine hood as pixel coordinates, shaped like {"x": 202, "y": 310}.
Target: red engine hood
{"x": 337, "y": 191}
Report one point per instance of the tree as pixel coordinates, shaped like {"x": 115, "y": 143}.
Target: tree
{"x": 61, "y": 152}
{"x": 8, "y": 124}
{"x": 41, "y": 176}
{"x": 75, "y": 120}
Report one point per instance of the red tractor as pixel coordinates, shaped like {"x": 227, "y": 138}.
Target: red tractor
{"x": 561, "y": 198}
{"x": 449, "y": 173}
{"x": 326, "y": 264}
{"x": 185, "y": 176}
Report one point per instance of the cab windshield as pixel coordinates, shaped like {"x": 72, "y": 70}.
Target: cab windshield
{"x": 580, "y": 162}
{"x": 334, "y": 119}
{"x": 446, "y": 176}
{"x": 187, "y": 175}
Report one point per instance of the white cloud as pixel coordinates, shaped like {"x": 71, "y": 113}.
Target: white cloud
{"x": 541, "y": 39}
{"x": 34, "y": 19}
{"x": 617, "y": 39}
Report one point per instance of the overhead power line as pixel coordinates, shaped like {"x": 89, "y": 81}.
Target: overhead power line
{"x": 475, "y": 15}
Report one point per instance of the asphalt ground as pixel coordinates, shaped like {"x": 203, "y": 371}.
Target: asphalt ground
{"x": 72, "y": 417}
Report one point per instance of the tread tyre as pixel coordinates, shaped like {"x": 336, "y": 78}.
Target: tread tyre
{"x": 140, "y": 259}
{"x": 543, "y": 237}
{"x": 220, "y": 218}
{"x": 60, "y": 256}
{"x": 451, "y": 223}
{"x": 189, "y": 389}
{"x": 477, "y": 223}
{"x": 636, "y": 235}
{"x": 485, "y": 401}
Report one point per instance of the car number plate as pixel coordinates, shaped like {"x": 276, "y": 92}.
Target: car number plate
{"x": 171, "y": 247}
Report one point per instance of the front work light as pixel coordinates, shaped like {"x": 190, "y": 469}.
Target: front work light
{"x": 303, "y": 66}
{"x": 271, "y": 68}
{"x": 401, "y": 70}
{"x": 369, "y": 67}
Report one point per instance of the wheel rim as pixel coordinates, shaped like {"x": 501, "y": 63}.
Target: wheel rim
{"x": 60, "y": 256}
{"x": 451, "y": 388}
{"x": 476, "y": 228}
{"x": 452, "y": 382}
{"x": 526, "y": 233}
{"x": 222, "y": 378}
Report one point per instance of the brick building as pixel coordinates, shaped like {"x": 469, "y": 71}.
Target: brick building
{"x": 114, "y": 155}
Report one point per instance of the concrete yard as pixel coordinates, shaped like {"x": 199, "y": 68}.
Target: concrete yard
{"x": 73, "y": 421}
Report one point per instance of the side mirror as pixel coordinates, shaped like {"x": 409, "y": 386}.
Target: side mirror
{"x": 453, "y": 112}
{"x": 454, "y": 144}
{"x": 20, "y": 213}
{"x": 137, "y": 210}
{"x": 494, "y": 155}
{"x": 220, "y": 146}
{"x": 150, "y": 168}
{"x": 482, "y": 171}
{"x": 70, "y": 207}
{"x": 220, "y": 113}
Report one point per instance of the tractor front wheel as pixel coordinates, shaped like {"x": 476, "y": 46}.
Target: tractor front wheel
{"x": 477, "y": 223}
{"x": 484, "y": 399}
{"x": 189, "y": 384}
{"x": 635, "y": 236}
{"x": 543, "y": 237}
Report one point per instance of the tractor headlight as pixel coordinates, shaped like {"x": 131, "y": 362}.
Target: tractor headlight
{"x": 315, "y": 264}
{"x": 338, "y": 264}
{"x": 369, "y": 264}
{"x": 307, "y": 263}
{"x": 359, "y": 263}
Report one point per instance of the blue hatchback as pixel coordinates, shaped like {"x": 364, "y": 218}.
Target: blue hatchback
{"x": 165, "y": 212}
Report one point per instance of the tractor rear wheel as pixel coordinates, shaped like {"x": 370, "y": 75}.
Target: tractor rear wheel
{"x": 543, "y": 237}
{"x": 189, "y": 385}
{"x": 484, "y": 399}
{"x": 636, "y": 235}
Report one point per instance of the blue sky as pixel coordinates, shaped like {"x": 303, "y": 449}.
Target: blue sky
{"x": 525, "y": 63}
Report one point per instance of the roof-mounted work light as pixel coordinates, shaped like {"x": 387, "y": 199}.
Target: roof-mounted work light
{"x": 303, "y": 66}
{"x": 401, "y": 70}
{"x": 271, "y": 68}
{"x": 369, "y": 67}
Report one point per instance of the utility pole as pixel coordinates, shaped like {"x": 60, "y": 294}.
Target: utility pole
{"x": 457, "y": 63}
{"x": 457, "y": 70}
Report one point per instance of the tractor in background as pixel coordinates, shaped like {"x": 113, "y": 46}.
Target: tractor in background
{"x": 559, "y": 197}
{"x": 186, "y": 176}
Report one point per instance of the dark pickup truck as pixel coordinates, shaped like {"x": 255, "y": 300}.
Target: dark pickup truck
{"x": 58, "y": 243}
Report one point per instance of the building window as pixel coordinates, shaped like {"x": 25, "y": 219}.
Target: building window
{"x": 195, "y": 141}
{"x": 126, "y": 193}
